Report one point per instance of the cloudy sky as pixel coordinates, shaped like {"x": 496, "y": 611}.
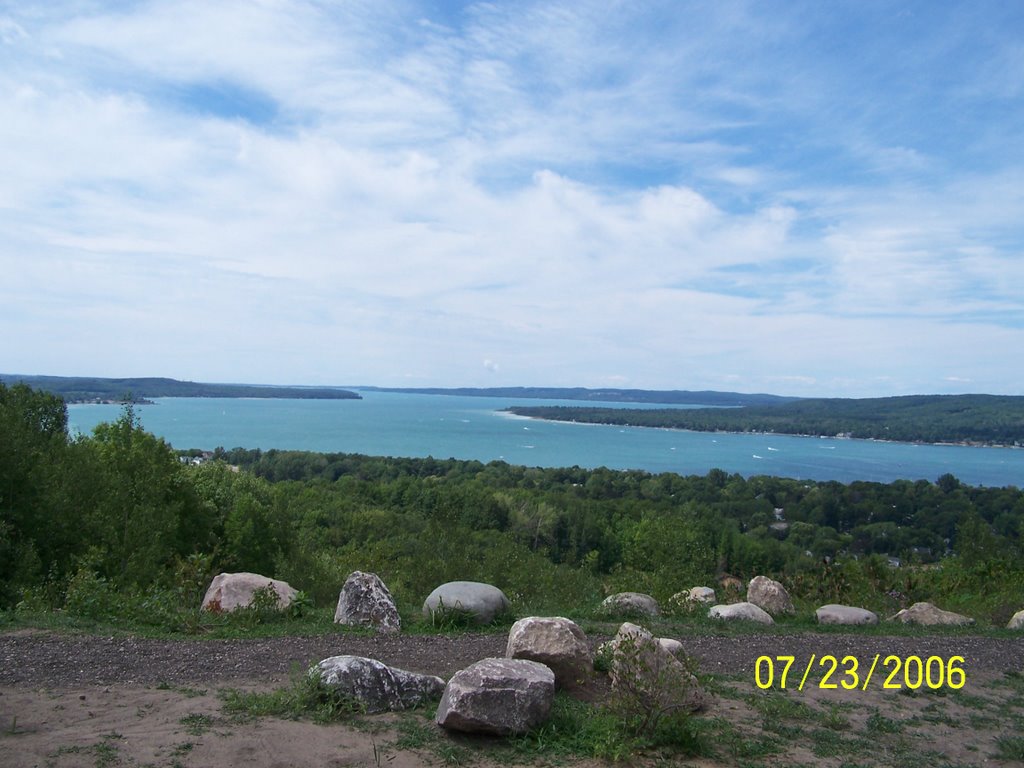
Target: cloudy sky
{"x": 794, "y": 197}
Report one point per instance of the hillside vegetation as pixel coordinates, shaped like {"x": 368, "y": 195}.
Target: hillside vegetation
{"x": 988, "y": 419}
{"x": 116, "y": 522}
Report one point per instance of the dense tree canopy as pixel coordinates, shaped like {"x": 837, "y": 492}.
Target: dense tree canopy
{"x": 119, "y": 507}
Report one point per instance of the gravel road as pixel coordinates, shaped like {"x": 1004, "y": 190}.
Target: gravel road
{"x": 38, "y": 658}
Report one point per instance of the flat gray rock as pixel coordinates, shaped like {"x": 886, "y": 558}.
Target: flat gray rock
{"x": 928, "y": 615}
{"x": 376, "y": 686}
{"x": 740, "y": 612}
{"x": 845, "y": 614}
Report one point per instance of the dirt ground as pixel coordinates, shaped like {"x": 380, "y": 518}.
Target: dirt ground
{"x": 80, "y": 700}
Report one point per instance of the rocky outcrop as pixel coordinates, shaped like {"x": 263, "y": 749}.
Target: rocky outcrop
{"x": 845, "y": 614}
{"x": 740, "y": 612}
{"x": 231, "y": 591}
{"x": 479, "y": 602}
{"x": 641, "y": 667}
{"x": 365, "y": 601}
{"x": 555, "y": 642}
{"x": 928, "y": 615}
{"x": 770, "y": 596}
{"x": 1017, "y": 622}
{"x": 375, "y": 687}
{"x": 502, "y": 697}
{"x": 630, "y": 604}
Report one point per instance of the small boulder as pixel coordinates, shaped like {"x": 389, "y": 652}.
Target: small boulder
{"x": 845, "y": 614}
{"x": 693, "y": 599}
{"x": 365, "y": 601}
{"x": 641, "y": 666}
{"x": 740, "y": 612}
{"x": 376, "y": 687}
{"x": 481, "y": 602}
{"x": 625, "y": 604}
{"x": 556, "y": 643}
{"x": 231, "y": 591}
{"x": 503, "y": 697}
{"x": 770, "y": 596}
{"x": 1017, "y": 622}
{"x": 672, "y": 646}
{"x": 928, "y": 615}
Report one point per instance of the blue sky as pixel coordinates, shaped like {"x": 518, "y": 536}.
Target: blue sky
{"x": 794, "y": 197}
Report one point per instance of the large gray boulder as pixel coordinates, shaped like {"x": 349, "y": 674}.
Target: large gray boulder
{"x": 928, "y": 615}
{"x": 1017, "y": 621}
{"x": 231, "y": 591}
{"x": 481, "y": 602}
{"x": 503, "y": 697}
{"x": 643, "y": 668}
{"x": 376, "y": 687}
{"x": 770, "y": 596}
{"x": 555, "y": 642}
{"x": 740, "y": 612}
{"x": 365, "y": 601}
{"x": 845, "y": 614}
{"x": 630, "y": 604}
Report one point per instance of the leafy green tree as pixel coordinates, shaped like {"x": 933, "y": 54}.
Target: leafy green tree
{"x": 141, "y": 520}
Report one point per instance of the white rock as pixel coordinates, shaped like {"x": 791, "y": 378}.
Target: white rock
{"x": 1017, "y": 622}
{"x": 672, "y": 646}
{"x": 481, "y": 601}
{"x": 740, "y": 612}
{"x": 497, "y": 696}
{"x": 630, "y": 604}
{"x": 928, "y": 615}
{"x": 376, "y": 686}
{"x": 230, "y": 591}
{"x": 845, "y": 614}
{"x": 769, "y": 595}
{"x": 555, "y": 642}
{"x": 365, "y": 601}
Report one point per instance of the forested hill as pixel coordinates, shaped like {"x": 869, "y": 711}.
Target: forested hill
{"x": 83, "y": 389}
{"x": 987, "y": 419}
{"x": 668, "y": 397}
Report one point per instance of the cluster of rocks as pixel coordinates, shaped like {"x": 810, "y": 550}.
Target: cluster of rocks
{"x": 767, "y": 599}
{"x": 499, "y": 696}
{"x": 365, "y": 601}
{"x": 514, "y": 694}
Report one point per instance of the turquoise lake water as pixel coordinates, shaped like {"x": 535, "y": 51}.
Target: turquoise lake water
{"x": 444, "y": 426}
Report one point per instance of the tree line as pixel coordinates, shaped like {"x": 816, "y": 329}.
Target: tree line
{"x": 119, "y": 509}
{"x": 987, "y": 419}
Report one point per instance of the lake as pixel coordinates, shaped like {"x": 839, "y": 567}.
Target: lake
{"x": 446, "y": 426}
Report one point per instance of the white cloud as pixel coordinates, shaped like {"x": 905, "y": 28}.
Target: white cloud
{"x": 587, "y": 193}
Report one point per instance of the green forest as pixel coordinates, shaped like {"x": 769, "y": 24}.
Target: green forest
{"x": 119, "y": 518}
{"x": 986, "y": 419}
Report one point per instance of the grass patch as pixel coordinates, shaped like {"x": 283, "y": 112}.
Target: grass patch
{"x": 305, "y": 698}
{"x": 1010, "y": 748}
{"x": 197, "y": 724}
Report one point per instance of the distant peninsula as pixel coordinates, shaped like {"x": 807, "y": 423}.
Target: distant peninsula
{"x": 76, "y": 389}
{"x": 667, "y": 397}
{"x": 962, "y": 419}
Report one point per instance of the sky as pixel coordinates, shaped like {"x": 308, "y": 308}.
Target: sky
{"x": 795, "y": 197}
